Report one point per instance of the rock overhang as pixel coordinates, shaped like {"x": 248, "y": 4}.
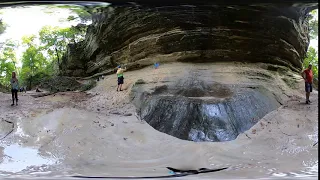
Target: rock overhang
{"x": 198, "y": 32}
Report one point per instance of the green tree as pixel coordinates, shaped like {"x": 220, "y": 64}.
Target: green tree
{"x": 313, "y": 24}
{"x": 42, "y": 60}
{"x": 312, "y": 54}
{"x": 82, "y": 13}
{"x": 79, "y": 12}
{"x": 9, "y": 51}
{"x": 312, "y": 58}
{"x": 3, "y": 26}
{"x": 33, "y": 62}
{"x": 54, "y": 40}
{"x": 5, "y": 65}
{"x": 8, "y": 61}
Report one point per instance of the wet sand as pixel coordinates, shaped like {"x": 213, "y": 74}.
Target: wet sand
{"x": 98, "y": 134}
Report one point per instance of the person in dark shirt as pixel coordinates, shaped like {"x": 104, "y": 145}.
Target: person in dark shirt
{"x": 308, "y": 77}
{"x": 14, "y": 88}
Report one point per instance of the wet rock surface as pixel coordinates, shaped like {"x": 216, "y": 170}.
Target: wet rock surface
{"x": 61, "y": 135}
{"x": 142, "y": 35}
{"x": 199, "y": 111}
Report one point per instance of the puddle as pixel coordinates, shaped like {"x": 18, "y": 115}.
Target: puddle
{"x": 20, "y": 132}
{"x": 311, "y": 171}
{"x": 313, "y": 137}
{"x": 17, "y": 158}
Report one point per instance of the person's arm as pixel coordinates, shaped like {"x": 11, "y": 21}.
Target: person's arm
{"x": 11, "y": 82}
{"x": 303, "y": 74}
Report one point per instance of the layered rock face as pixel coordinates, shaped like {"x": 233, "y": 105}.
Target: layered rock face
{"x": 139, "y": 36}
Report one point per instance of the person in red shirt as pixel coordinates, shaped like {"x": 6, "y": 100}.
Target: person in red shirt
{"x": 308, "y": 76}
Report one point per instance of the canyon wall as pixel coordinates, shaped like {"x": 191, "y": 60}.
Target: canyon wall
{"x": 138, "y": 36}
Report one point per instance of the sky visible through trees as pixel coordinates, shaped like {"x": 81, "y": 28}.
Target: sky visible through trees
{"x": 35, "y": 38}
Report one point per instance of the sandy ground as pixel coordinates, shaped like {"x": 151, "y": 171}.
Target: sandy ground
{"x": 97, "y": 133}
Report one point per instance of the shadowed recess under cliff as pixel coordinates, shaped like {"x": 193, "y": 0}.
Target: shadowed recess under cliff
{"x": 141, "y": 35}
{"x": 201, "y": 111}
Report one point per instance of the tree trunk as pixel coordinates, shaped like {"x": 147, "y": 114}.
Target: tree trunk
{"x": 57, "y": 55}
{"x": 30, "y": 80}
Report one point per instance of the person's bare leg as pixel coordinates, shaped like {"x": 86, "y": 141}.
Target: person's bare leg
{"x": 12, "y": 98}
{"x": 307, "y": 95}
{"x": 16, "y": 94}
{"x": 120, "y": 87}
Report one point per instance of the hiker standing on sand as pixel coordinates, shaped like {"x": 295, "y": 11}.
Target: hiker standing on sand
{"x": 14, "y": 88}
{"x": 120, "y": 77}
{"x": 156, "y": 65}
{"x": 308, "y": 76}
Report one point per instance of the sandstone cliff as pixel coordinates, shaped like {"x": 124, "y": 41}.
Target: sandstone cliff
{"x": 141, "y": 35}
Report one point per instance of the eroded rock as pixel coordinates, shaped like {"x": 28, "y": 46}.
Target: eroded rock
{"x": 203, "y": 111}
{"x": 139, "y": 36}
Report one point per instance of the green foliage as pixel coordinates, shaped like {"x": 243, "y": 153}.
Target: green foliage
{"x": 82, "y": 13}
{"x": 2, "y": 27}
{"x": 313, "y": 29}
{"x": 313, "y": 25}
{"x": 54, "y": 40}
{"x": 2, "y": 24}
{"x": 71, "y": 18}
{"x": 33, "y": 62}
{"x": 6, "y": 67}
{"x": 312, "y": 54}
{"x": 28, "y": 40}
{"x": 8, "y": 62}
{"x": 42, "y": 61}
{"x": 312, "y": 58}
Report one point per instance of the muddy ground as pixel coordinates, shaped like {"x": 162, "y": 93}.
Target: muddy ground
{"x": 98, "y": 132}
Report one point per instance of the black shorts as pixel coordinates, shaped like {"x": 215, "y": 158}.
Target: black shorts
{"x": 14, "y": 90}
{"x": 120, "y": 80}
{"x": 308, "y": 87}
{"x": 14, "y": 94}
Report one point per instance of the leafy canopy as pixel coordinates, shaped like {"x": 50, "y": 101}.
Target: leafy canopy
{"x": 312, "y": 54}
{"x": 44, "y": 52}
{"x": 8, "y": 61}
